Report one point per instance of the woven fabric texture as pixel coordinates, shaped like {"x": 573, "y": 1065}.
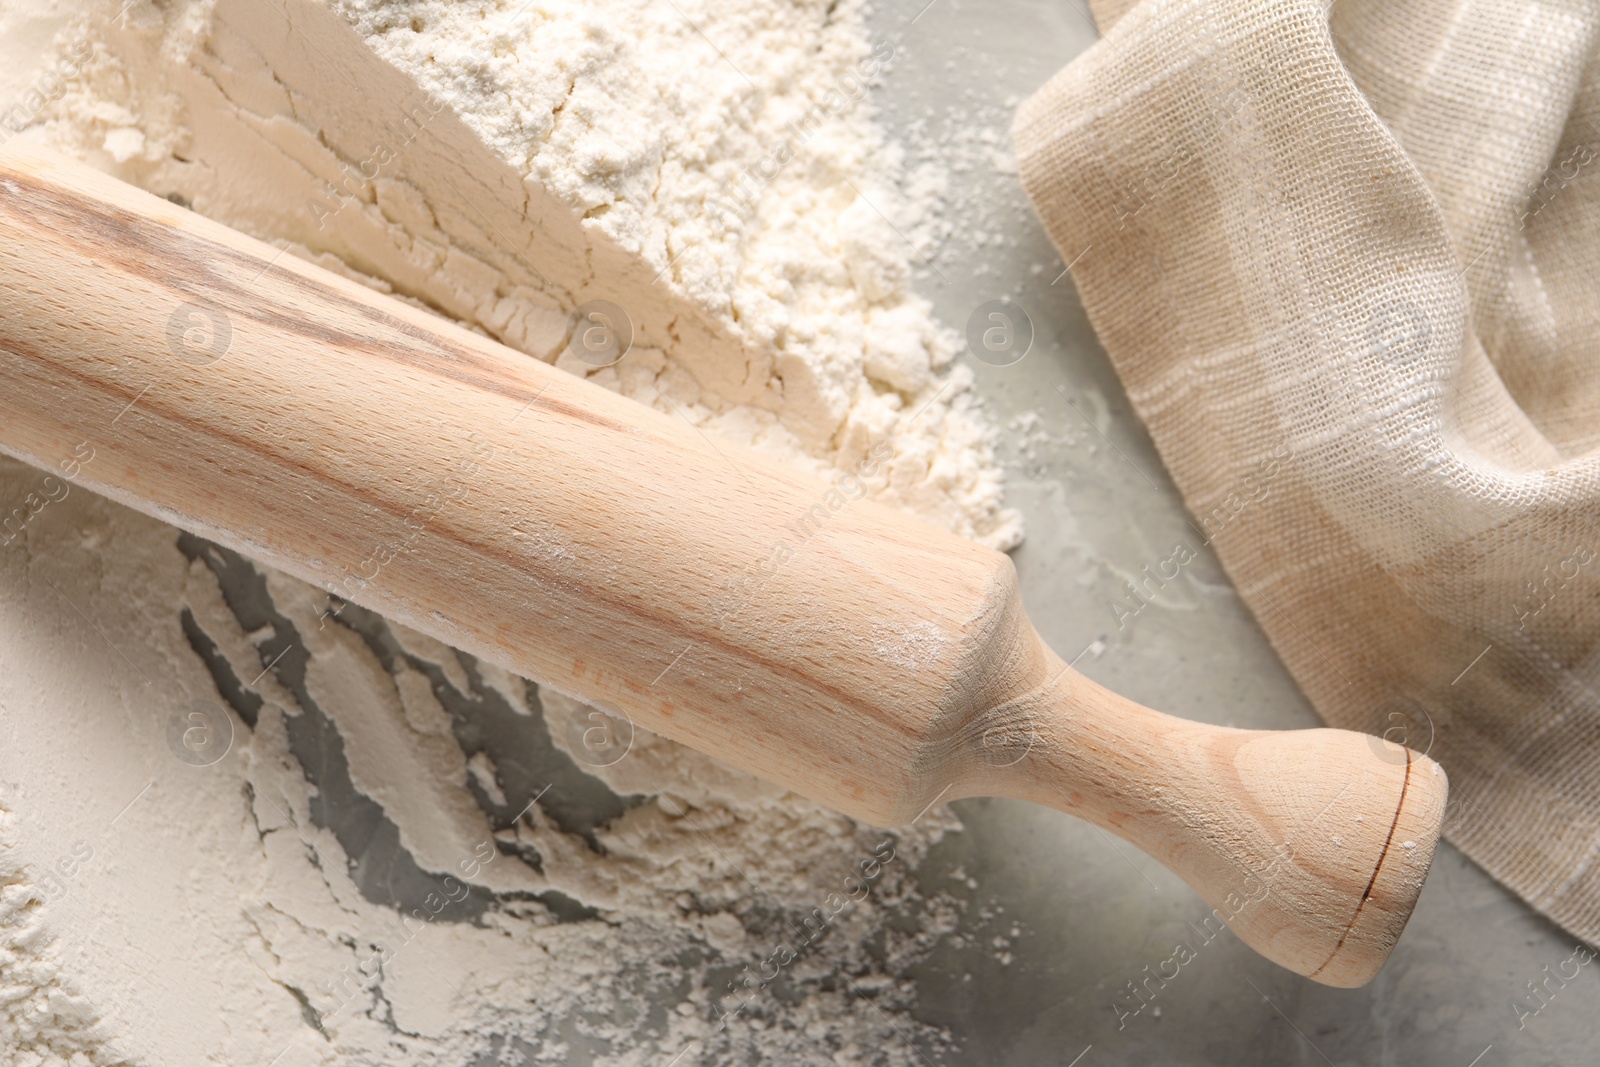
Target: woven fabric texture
{"x": 1346, "y": 262}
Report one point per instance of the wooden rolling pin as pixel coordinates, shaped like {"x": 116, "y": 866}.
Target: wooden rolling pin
{"x": 842, "y": 649}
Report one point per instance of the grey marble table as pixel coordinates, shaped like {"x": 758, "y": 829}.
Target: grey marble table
{"x": 1059, "y": 917}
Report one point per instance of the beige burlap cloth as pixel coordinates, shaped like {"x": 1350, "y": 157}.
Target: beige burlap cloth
{"x": 1347, "y": 264}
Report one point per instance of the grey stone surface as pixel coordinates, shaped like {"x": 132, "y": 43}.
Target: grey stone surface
{"x": 1061, "y": 917}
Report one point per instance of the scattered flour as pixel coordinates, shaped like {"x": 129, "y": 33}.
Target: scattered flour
{"x": 248, "y": 912}
{"x": 402, "y": 855}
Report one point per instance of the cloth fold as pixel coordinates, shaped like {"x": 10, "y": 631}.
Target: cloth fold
{"x": 1346, "y": 265}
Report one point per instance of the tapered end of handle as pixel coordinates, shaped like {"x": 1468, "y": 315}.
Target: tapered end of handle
{"x": 1311, "y": 845}
{"x": 1358, "y": 818}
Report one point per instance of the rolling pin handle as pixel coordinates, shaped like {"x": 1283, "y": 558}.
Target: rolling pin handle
{"x": 1312, "y": 845}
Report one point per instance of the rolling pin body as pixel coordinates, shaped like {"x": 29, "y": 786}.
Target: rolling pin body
{"x": 842, "y": 649}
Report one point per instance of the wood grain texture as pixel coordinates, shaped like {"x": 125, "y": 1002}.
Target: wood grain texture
{"x": 844, "y": 650}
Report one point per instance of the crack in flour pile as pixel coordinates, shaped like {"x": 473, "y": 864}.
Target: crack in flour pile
{"x": 239, "y": 827}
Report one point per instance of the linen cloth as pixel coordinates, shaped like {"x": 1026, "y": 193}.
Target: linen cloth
{"x": 1346, "y": 262}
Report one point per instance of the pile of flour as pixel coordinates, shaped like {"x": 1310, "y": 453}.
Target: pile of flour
{"x": 712, "y": 169}
{"x": 405, "y": 855}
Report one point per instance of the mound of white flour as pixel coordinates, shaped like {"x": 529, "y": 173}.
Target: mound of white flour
{"x": 712, "y": 169}
{"x": 398, "y": 858}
